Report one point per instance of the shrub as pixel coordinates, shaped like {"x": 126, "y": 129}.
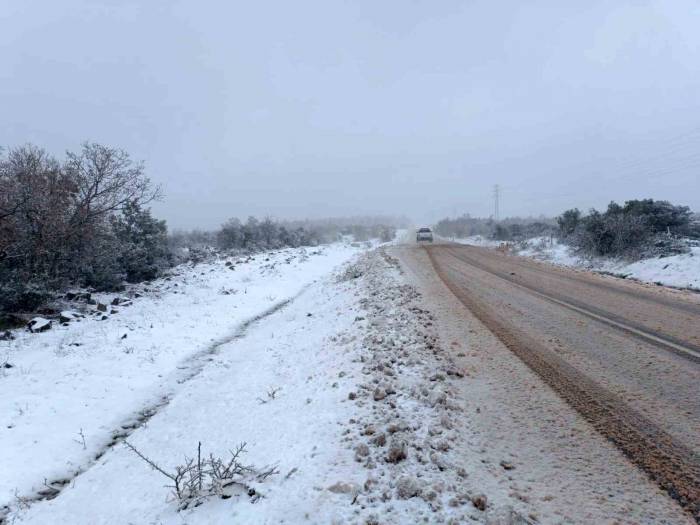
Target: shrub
{"x": 637, "y": 229}
{"x": 21, "y": 294}
{"x": 79, "y": 221}
{"x": 142, "y": 242}
{"x": 200, "y": 477}
{"x": 501, "y": 233}
{"x": 568, "y": 222}
{"x": 387, "y": 233}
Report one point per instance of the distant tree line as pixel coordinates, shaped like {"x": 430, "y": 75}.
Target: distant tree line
{"x": 360, "y": 228}
{"x": 510, "y": 229}
{"x": 637, "y": 229}
{"x": 268, "y": 234}
{"x": 521, "y": 229}
{"x": 464, "y": 226}
{"x": 77, "y": 221}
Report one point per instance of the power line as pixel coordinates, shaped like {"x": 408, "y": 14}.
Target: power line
{"x": 496, "y": 197}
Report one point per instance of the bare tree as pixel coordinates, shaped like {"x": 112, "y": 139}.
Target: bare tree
{"x": 57, "y": 220}
{"x": 107, "y": 180}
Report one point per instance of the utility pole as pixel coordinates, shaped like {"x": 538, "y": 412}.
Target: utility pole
{"x": 496, "y": 196}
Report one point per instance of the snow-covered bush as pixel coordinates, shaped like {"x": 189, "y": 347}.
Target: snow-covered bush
{"x": 74, "y": 222}
{"x": 200, "y": 477}
{"x": 21, "y": 295}
{"x": 637, "y": 229}
{"x": 665, "y": 245}
{"x": 351, "y": 272}
{"x": 142, "y": 241}
{"x": 387, "y": 234}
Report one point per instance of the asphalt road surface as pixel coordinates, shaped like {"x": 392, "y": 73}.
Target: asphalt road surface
{"x": 626, "y": 356}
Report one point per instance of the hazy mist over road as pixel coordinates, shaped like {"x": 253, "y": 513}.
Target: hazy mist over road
{"x": 310, "y": 109}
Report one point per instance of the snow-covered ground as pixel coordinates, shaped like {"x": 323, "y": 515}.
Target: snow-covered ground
{"x": 281, "y": 388}
{"x": 476, "y": 240}
{"x": 69, "y": 392}
{"x": 345, "y": 390}
{"x": 680, "y": 271}
{"x": 336, "y": 375}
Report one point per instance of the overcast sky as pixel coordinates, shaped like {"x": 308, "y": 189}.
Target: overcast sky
{"x": 308, "y": 109}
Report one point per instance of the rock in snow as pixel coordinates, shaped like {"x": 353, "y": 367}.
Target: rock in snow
{"x": 343, "y": 488}
{"x": 67, "y": 316}
{"x": 39, "y": 324}
{"x": 407, "y": 487}
{"x": 379, "y": 394}
{"x": 480, "y": 501}
{"x": 396, "y": 452}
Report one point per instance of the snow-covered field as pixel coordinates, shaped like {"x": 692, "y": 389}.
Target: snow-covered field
{"x": 69, "y": 392}
{"x": 680, "y": 271}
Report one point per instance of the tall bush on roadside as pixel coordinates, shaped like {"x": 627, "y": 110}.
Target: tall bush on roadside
{"x": 142, "y": 242}
{"x": 568, "y": 222}
{"x": 639, "y": 228}
{"x": 57, "y": 221}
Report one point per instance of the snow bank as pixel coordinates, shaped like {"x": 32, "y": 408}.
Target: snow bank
{"x": 549, "y": 249}
{"x": 680, "y": 271}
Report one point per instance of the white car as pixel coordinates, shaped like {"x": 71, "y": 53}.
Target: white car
{"x": 424, "y": 234}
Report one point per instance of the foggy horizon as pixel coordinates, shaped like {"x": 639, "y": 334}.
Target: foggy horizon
{"x": 327, "y": 109}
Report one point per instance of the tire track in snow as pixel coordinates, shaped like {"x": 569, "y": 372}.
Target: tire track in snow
{"x": 672, "y": 465}
{"x": 662, "y": 340}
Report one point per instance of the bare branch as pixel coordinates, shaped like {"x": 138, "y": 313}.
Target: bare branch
{"x": 194, "y": 481}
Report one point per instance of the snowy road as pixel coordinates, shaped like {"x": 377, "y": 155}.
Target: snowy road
{"x": 624, "y": 355}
